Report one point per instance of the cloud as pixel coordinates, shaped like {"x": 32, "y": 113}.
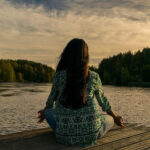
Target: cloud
{"x": 39, "y": 30}
{"x": 89, "y": 7}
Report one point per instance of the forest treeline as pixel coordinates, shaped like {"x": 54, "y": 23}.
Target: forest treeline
{"x": 24, "y": 71}
{"x": 120, "y": 69}
{"x": 125, "y": 68}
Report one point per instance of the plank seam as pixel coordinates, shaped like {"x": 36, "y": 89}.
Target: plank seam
{"x": 117, "y": 140}
{"x": 132, "y": 143}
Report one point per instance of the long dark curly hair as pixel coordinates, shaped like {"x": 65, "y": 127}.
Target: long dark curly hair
{"x": 74, "y": 59}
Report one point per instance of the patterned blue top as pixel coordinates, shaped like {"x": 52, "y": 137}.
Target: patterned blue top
{"x": 81, "y": 126}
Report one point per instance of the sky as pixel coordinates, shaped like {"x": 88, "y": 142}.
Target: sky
{"x": 38, "y": 30}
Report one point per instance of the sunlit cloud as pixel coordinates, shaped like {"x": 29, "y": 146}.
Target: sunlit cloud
{"x": 39, "y": 30}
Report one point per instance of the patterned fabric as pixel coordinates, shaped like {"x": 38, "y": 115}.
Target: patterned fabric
{"x": 81, "y": 126}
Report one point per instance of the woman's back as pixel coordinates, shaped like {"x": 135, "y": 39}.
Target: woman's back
{"x": 79, "y": 126}
{"x": 76, "y": 119}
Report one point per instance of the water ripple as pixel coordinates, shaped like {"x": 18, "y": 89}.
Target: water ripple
{"x": 20, "y": 102}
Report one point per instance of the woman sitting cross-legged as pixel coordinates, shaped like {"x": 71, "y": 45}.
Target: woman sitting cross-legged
{"x": 71, "y": 109}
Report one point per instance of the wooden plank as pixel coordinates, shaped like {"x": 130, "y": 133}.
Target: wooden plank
{"x": 137, "y": 146}
{"x": 110, "y": 134}
{"x": 119, "y": 131}
{"x": 35, "y": 132}
{"x": 25, "y": 134}
{"x": 118, "y": 137}
{"x": 122, "y": 133}
{"x": 147, "y": 148}
{"x": 71, "y": 148}
{"x": 30, "y": 145}
{"x": 142, "y": 128}
{"x": 43, "y": 139}
{"x": 124, "y": 142}
{"x": 114, "y": 138}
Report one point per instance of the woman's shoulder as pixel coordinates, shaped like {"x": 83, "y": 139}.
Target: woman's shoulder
{"x": 93, "y": 74}
{"x": 61, "y": 71}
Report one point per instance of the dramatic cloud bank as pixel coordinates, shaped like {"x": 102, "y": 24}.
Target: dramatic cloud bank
{"x": 39, "y": 30}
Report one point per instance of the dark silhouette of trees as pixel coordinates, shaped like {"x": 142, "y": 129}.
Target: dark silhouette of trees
{"x": 7, "y": 72}
{"x": 93, "y": 68}
{"x": 25, "y": 71}
{"x": 120, "y": 69}
{"x": 125, "y": 68}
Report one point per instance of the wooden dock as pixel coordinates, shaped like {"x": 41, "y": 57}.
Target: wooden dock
{"x": 132, "y": 137}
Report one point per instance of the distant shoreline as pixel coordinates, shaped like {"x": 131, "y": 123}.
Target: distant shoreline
{"x": 132, "y": 84}
{"x": 126, "y": 69}
{"x": 25, "y": 71}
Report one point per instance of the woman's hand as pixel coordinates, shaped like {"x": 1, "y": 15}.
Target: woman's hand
{"x": 41, "y": 115}
{"x": 119, "y": 121}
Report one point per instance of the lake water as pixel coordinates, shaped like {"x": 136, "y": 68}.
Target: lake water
{"x": 19, "y": 104}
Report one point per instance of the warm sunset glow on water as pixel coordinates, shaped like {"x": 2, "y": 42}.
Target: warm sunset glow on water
{"x": 20, "y": 102}
{"x": 39, "y": 30}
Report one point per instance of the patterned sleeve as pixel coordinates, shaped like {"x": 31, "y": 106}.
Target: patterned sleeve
{"x": 53, "y": 93}
{"x": 99, "y": 93}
